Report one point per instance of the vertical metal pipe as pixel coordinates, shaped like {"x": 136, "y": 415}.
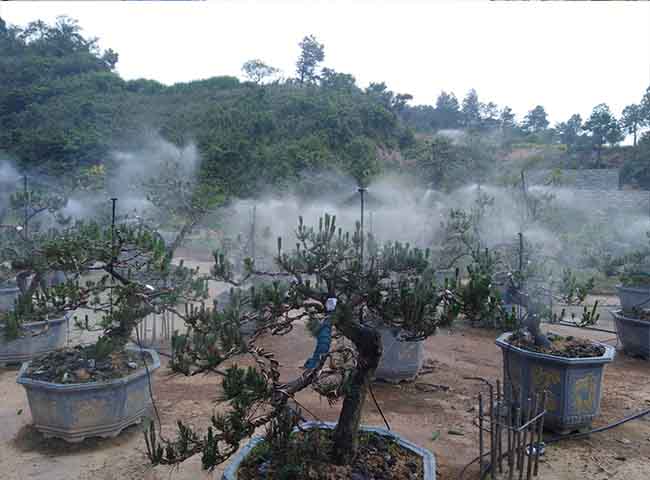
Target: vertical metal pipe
{"x": 253, "y": 232}
{"x": 362, "y": 191}
{"x": 154, "y": 329}
{"x": 26, "y": 208}
{"x": 521, "y": 255}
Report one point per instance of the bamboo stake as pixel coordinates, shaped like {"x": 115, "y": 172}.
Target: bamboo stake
{"x": 498, "y": 427}
{"x": 539, "y": 433}
{"x": 480, "y": 434}
{"x": 493, "y": 457}
{"x": 522, "y": 451}
{"x": 531, "y": 436}
{"x": 511, "y": 455}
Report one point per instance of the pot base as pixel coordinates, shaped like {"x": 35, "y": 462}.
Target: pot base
{"x": 105, "y": 431}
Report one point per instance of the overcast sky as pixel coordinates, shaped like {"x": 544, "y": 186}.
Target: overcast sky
{"x": 566, "y": 56}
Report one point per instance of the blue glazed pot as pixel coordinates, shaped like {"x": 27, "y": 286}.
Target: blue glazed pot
{"x": 573, "y": 385}
{"x": 428, "y": 459}
{"x": 400, "y": 360}
{"x": 633, "y": 333}
{"x": 77, "y": 411}
{"x": 37, "y": 338}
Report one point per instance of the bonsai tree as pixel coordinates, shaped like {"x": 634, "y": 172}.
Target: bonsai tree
{"x": 323, "y": 268}
{"x": 32, "y": 214}
{"x": 120, "y": 271}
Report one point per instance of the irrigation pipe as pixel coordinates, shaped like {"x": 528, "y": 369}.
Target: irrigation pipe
{"x": 575, "y": 325}
{"x": 557, "y": 438}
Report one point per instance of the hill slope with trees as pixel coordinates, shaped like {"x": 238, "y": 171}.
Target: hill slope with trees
{"x": 64, "y": 109}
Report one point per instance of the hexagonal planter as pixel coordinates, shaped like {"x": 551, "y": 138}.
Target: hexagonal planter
{"x": 77, "y": 411}
{"x": 428, "y": 459}
{"x": 37, "y": 338}
{"x": 401, "y": 360}
{"x": 633, "y": 333}
{"x": 573, "y": 385}
{"x": 633, "y": 296}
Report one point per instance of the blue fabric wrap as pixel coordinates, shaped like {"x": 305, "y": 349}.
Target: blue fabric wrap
{"x": 323, "y": 342}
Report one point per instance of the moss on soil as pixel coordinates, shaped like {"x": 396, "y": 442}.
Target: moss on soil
{"x": 80, "y": 365}
{"x": 308, "y": 458}
{"x": 568, "y": 347}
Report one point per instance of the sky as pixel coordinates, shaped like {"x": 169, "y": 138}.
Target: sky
{"x": 566, "y": 56}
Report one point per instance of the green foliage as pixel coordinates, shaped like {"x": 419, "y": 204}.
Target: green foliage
{"x": 256, "y": 70}
{"x": 388, "y": 284}
{"x": 536, "y": 120}
{"x": 311, "y": 54}
{"x": 477, "y": 299}
{"x": 635, "y": 279}
{"x": 572, "y": 290}
{"x": 604, "y": 128}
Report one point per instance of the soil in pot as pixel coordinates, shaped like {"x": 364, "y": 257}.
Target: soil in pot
{"x": 307, "y": 457}
{"x": 81, "y": 364}
{"x": 569, "y": 347}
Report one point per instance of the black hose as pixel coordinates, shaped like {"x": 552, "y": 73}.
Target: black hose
{"x": 571, "y": 436}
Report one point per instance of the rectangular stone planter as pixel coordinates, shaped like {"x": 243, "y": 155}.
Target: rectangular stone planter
{"x": 401, "y": 360}
{"x": 634, "y": 334}
{"x": 573, "y": 385}
{"x": 428, "y": 459}
{"x": 631, "y": 297}
{"x": 74, "y": 412}
{"x": 37, "y": 338}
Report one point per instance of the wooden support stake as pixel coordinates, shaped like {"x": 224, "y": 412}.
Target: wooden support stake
{"x": 511, "y": 445}
{"x": 498, "y": 427}
{"x": 480, "y": 434}
{"x": 540, "y": 429}
{"x": 493, "y": 456}
{"x": 531, "y": 436}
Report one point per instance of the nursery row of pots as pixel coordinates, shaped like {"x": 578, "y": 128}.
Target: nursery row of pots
{"x": 74, "y": 412}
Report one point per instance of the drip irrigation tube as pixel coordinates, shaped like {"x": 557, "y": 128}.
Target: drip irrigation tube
{"x": 557, "y": 438}
{"x": 570, "y": 324}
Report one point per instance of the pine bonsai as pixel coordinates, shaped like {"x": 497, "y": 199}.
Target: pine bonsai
{"x": 324, "y": 279}
{"x": 31, "y": 215}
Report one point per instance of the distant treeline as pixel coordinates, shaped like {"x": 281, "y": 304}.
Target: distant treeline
{"x": 63, "y": 109}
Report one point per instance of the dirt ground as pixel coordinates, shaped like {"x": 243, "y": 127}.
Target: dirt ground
{"x": 444, "y": 401}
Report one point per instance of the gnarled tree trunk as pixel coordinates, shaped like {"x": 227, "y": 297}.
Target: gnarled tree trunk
{"x": 369, "y": 347}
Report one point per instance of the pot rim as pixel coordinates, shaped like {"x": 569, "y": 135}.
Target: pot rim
{"x": 607, "y": 357}
{"x": 428, "y": 459}
{"x": 634, "y": 288}
{"x": 41, "y": 323}
{"x": 75, "y": 387}
{"x": 618, "y": 314}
